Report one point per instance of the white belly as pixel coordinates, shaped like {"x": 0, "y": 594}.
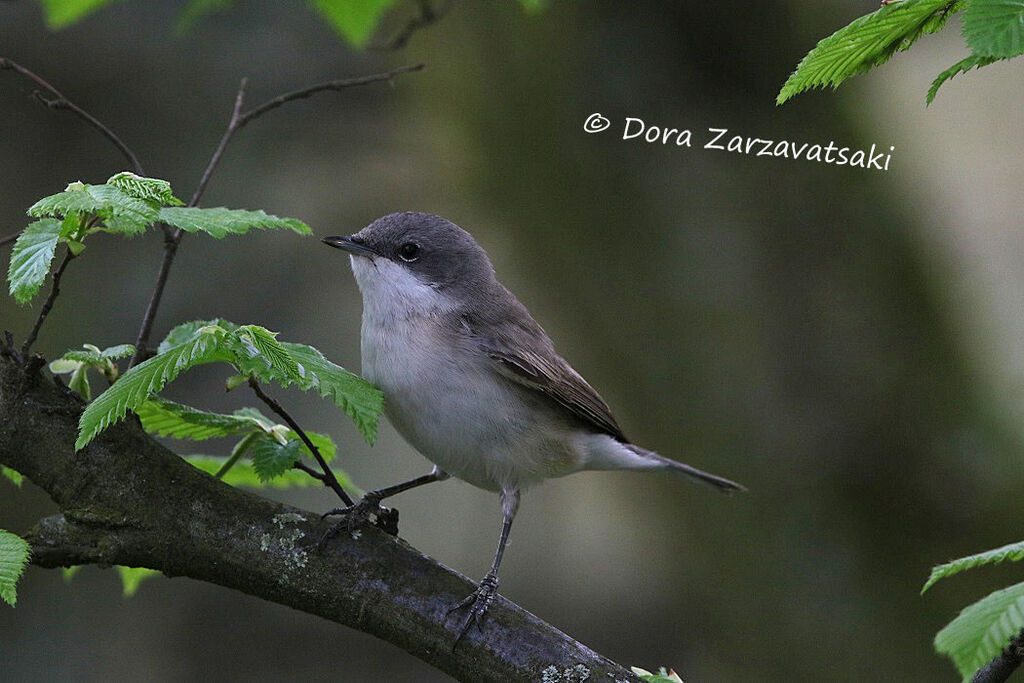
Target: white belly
{"x": 463, "y": 416}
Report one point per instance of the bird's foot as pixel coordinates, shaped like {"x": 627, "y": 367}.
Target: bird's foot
{"x": 477, "y": 602}
{"x": 367, "y": 511}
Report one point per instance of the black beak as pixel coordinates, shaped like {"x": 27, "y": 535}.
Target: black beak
{"x": 349, "y": 243}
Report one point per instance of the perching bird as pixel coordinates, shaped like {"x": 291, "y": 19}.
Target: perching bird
{"x": 471, "y": 380}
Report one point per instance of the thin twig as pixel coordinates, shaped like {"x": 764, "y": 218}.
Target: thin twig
{"x": 427, "y": 16}
{"x": 329, "y": 479}
{"x": 4, "y": 241}
{"x": 1004, "y": 664}
{"x": 58, "y": 101}
{"x": 340, "y": 84}
{"x": 238, "y": 120}
{"x": 233, "y": 125}
{"x": 47, "y": 305}
{"x": 173, "y": 238}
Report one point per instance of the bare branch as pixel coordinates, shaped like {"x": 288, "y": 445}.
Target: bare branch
{"x": 427, "y": 16}
{"x": 336, "y": 85}
{"x": 58, "y": 101}
{"x": 47, "y": 305}
{"x": 328, "y": 477}
{"x": 1004, "y": 664}
{"x": 10, "y": 239}
{"x": 126, "y": 500}
{"x": 233, "y": 125}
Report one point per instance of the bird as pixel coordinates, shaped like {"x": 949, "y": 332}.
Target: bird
{"x": 472, "y": 381}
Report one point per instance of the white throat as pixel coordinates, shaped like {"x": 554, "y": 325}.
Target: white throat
{"x": 390, "y": 292}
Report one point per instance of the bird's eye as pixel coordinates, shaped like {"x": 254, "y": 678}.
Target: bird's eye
{"x": 410, "y": 251}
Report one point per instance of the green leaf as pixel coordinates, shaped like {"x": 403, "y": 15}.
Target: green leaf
{"x": 167, "y": 418}
{"x": 79, "y": 382}
{"x": 152, "y": 189}
{"x": 14, "y": 555}
{"x": 147, "y": 378}
{"x": 244, "y": 474}
{"x": 360, "y": 400}
{"x": 323, "y": 443}
{"x": 1014, "y": 552}
{"x": 995, "y": 28}
{"x": 118, "y": 351}
{"x": 13, "y": 476}
{"x": 68, "y": 573}
{"x": 961, "y": 67}
{"x": 257, "y": 351}
{"x": 354, "y": 20}
{"x": 662, "y": 676}
{"x": 121, "y": 212}
{"x": 220, "y": 222}
{"x": 180, "y": 334}
{"x": 983, "y": 630}
{"x": 31, "y": 258}
{"x": 533, "y": 6}
{"x": 131, "y": 577}
{"x": 867, "y": 42}
{"x": 63, "y": 13}
{"x": 271, "y": 459}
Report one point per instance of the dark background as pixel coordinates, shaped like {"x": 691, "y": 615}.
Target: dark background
{"x": 842, "y": 341}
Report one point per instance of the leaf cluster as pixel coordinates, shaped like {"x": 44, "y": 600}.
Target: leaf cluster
{"x": 254, "y": 352}
{"x": 982, "y": 630}
{"x": 77, "y": 364}
{"x": 993, "y": 30}
{"x": 127, "y": 205}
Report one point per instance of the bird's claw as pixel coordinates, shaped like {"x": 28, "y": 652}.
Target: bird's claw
{"x": 478, "y": 603}
{"x": 367, "y": 511}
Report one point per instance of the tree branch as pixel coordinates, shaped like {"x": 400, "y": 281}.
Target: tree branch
{"x": 125, "y": 499}
{"x": 1003, "y": 666}
{"x": 58, "y": 101}
{"x": 328, "y": 477}
{"x": 47, "y": 305}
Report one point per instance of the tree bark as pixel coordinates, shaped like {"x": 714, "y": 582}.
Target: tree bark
{"x": 127, "y": 500}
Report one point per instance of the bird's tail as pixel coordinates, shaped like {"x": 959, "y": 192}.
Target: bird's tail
{"x": 603, "y": 452}
{"x": 722, "y": 484}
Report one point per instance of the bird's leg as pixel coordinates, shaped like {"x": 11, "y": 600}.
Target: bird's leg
{"x": 369, "y": 506}
{"x": 479, "y": 600}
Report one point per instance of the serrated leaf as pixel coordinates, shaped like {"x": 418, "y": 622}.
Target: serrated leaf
{"x": 121, "y": 212}
{"x": 258, "y": 352}
{"x": 244, "y": 474}
{"x": 354, "y": 20}
{"x": 31, "y": 258}
{"x": 995, "y": 28}
{"x": 961, "y": 67}
{"x": 180, "y": 334}
{"x": 11, "y": 475}
{"x": 220, "y": 222}
{"x": 360, "y": 400}
{"x": 323, "y": 443}
{"x": 867, "y": 42}
{"x": 271, "y": 459}
{"x": 144, "y": 380}
{"x": 14, "y": 555}
{"x": 662, "y": 676}
{"x": 1014, "y": 552}
{"x": 118, "y": 351}
{"x": 62, "y": 13}
{"x": 131, "y": 577}
{"x": 178, "y": 421}
{"x": 982, "y": 630}
{"x": 152, "y": 189}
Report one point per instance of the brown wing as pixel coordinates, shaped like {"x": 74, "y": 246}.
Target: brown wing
{"x": 537, "y": 366}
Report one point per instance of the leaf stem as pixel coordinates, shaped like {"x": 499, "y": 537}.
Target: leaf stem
{"x": 47, "y": 305}
{"x": 237, "y": 452}
{"x": 328, "y": 474}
